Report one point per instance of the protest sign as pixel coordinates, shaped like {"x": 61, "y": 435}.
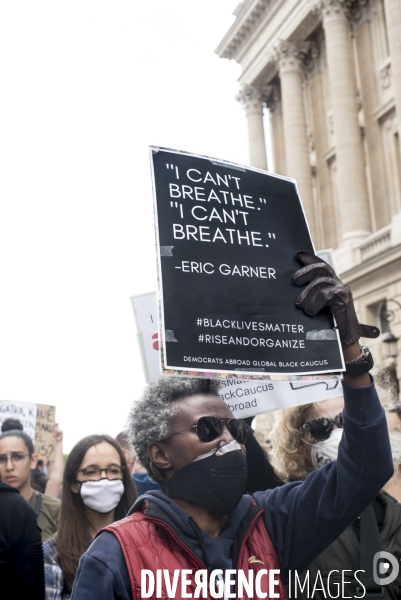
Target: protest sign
{"x": 37, "y": 421}
{"x": 44, "y": 439}
{"x": 145, "y": 313}
{"x": 25, "y": 412}
{"x": 245, "y": 397}
{"x": 227, "y": 239}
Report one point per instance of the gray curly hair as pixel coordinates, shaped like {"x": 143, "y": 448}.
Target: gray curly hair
{"x": 149, "y": 418}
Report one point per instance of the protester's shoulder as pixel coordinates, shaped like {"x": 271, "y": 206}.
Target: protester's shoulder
{"x": 106, "y": 548}
{"x": 392, "y": 507}
{"x": 49, "y": 501}
{"x": 53, "y": 504}
{"x": 12, "y": 502}
{"x": 280, "y": 500}
{"x": 117, "y": 528}
{"x": 9, "y": 495}
{"x": 7, "y": 489}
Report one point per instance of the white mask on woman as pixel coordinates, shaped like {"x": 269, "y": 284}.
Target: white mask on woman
{"x": 102, "y": 495}
{"x": 326, "y": 451}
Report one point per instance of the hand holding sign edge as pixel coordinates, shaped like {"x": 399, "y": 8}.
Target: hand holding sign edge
{"x": 324, "y": 288}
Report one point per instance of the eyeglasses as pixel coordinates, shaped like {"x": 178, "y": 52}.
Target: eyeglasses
{"x": 320, "y": 429}
{"x": 93, "y": 473}
{"x": 15, "y": 457}
{"x": 209, "y": 428}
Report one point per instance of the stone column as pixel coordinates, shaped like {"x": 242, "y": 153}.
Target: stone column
{"x": 393, "y": 20}
{"x": 273, "y": 103}
{"x": 252, "y": 98}
{"x": 290, "y": 59}
{"x": 352, "y": 184}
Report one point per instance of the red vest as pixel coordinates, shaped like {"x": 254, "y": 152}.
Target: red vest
{"x": 149, "y": 543}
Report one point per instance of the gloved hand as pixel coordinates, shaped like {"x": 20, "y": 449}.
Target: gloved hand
{"x": 326, "y": 289}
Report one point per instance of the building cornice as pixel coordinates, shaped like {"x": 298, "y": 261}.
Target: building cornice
{"x": 375, "y": 264}
{"x": 248, "y": 15}
{"x": 258, "y": 63}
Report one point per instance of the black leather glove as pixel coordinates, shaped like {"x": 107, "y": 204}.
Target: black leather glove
{"x": 326, "y": 289}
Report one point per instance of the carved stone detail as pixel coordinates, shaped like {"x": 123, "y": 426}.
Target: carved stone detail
{"x": 253, "y": 98}
{"x": 351, "y": 9}
{"x": 291, "y": 56}
{"x": 248, "y": 26}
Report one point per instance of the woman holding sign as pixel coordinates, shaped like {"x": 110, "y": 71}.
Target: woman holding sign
{"x": 97, "y": 490}
{"x": 202, "y": 522}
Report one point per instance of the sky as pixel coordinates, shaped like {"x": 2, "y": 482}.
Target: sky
{"x": 87, "y": 86}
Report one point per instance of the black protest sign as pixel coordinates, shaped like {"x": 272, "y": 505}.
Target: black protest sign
{"x": 227, "y": 240}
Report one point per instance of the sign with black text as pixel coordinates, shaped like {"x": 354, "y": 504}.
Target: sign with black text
{"x": 37, "y": 421}
{"x": 244, "y": 396}
{"x": 227, "y": 240}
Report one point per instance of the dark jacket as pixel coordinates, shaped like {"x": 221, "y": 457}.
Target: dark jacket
{"x": 21, "y": 552}
{"x": 344, "y": 554}
{"x": 261, "y": 475}
{"x": 302, "y": 518}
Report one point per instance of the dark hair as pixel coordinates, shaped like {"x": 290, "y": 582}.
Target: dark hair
{"x": 19, "y": 434}
{"x": 38, "y": 480}
{"x": 11, "y": 424}
{"x": 149, "y": 419}
{"x": 73, "y": 529}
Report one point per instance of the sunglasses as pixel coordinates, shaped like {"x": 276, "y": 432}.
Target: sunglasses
{"x": 321, "y": 428}
{"x": 209, "y": 428}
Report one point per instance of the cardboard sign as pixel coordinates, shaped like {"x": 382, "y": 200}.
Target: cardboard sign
{"x": 37, "y": 421}
{"x": 44, "y": 439}
{"x": 245, "y": 397}
{"x": 227, "y": 239}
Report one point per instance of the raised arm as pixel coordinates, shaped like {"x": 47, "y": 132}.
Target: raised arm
{"x": 303, "y": 518}
{"x": 56, "y": 473}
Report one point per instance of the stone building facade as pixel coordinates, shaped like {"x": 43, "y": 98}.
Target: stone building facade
{"x": 327, "y": 75}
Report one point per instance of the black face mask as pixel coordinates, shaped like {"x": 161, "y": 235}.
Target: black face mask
{"x": 216, "y": 479}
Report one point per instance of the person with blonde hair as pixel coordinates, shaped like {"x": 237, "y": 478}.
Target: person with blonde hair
{"x": 303, "y": 440}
